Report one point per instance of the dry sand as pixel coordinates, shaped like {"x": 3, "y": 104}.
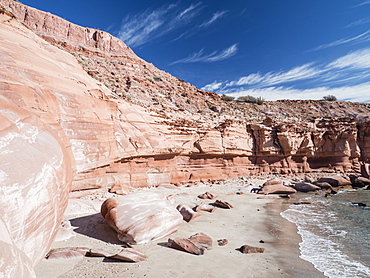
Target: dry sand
{"x": 247, "y": 223}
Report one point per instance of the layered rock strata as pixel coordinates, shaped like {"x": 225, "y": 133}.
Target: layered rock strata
{"x": 178, "y": 137}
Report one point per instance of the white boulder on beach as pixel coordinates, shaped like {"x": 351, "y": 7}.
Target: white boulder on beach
{"x": 141, "y": 217}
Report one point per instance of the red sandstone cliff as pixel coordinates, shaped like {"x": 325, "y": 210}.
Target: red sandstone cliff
{"x": 121, "y": 123}
{"x": 139, "y": 126}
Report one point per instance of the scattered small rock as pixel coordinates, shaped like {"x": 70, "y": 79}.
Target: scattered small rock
{"x": 129, "y": 255}
{"x": 126, "y": 254}
{"x": 222, "y": 204}
{"x": 195, "y": 244}
{"x": 67, "y": 253}
{"x": 222, "y": 242}
{"x": 286, "y": 196}
{"x": 187, "y": 213}
{"x": 247, "y": 249}
{"x": 99, "y": 253}
{"x": 204, "y": 207}
{"x": 202, "y": 240}
{"x": 359, "y": 204}
{"x": 208, "y": 195}
{"x": 302, "y": 203}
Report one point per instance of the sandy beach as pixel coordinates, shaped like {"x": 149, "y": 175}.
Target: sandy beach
{"x": 251, "y": 221}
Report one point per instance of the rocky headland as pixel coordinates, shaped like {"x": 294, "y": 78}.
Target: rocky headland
{"x": 80, "y": 113}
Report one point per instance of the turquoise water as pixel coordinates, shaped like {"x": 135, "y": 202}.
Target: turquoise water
{"x": 335, "y": 233}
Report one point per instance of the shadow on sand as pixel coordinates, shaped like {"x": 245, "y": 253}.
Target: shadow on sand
{"x": 94, "y": 226}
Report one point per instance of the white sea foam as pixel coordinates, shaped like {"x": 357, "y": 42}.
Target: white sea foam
{"x": 319, "y": 242}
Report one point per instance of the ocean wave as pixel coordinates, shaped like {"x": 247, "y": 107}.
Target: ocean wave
{"x": 321, "y": 241}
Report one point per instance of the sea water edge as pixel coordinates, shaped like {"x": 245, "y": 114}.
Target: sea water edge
{"x": 335, "y": 232}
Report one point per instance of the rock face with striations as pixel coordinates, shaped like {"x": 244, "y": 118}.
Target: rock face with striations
{"x": 141, "y": 217}
{"x": 111, "y": 120}
{"x": 132, "y": 125}
{"x": 35, "y": 175}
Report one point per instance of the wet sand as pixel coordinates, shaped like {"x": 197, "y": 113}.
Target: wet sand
{"x": 250, "y": 221}
{"x": 286, "y": 241}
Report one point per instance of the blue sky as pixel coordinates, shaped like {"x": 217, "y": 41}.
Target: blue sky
{"x": 277, "y": 49}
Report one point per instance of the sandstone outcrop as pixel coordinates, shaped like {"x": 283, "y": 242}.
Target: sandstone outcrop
{"x": 305, "y": 187}
{"x": 276, "y": 186}
{"x": 35, "y": 175}
{"x": 171, "y": 135}
{"x": 322, "y": 185}
{"x": 335, "y": 181}
{"x": 141, "y": 217}
{"x": 357, "y": 182}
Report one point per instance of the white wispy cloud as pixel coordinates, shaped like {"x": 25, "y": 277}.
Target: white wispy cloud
{"x": 363, "y": 3}
{"x": 347, "y": 77}
{"x": 213, "y": 57}
{"x": 195, "y": 29}
{"x": 212, "y": 87}
{"x": 189, "y": 13}
{"x": 306, "y": 71}
{"x": 364, "y": 37}
{"x": 359, "y": 59}
{"x": 215, "y": 17}
{"x": 359, "y": 22}
{"x": 357, "y": 93}
{"x": 141, "y": 28}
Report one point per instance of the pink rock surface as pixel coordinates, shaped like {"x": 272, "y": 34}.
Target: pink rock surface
{"x": 305, "y": 187}
{"x": 208, "y": 195}
{"x": 141, "y": 217}
{"x": 276, "y": 189}
{"x": 247, "y": 249}
{"x": 222, "y": 204}
{"x": 35, "y": 176}
{"x": 187, "y": 213}
{"x": 122, "y": 145}
{"x": 335, "y": 180}
{"x": 196, "y": 244}
{"x": 129, "y": 255}
{"x": 205, "y": 207}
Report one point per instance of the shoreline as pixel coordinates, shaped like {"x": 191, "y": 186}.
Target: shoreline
{"x": 287, "y": 240}
{"x": 250, "y": 221}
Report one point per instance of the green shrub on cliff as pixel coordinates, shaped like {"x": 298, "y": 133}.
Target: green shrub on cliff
{"x": 227, "y": 98}
{"x": 330, "y": 98}
{"x": 251, "y": 99}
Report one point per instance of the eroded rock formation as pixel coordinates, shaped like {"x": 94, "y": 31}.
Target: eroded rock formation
{"x": 122, "y": 137}
{"x": 35, "y": 176}
{"x": 141, "y": 217}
